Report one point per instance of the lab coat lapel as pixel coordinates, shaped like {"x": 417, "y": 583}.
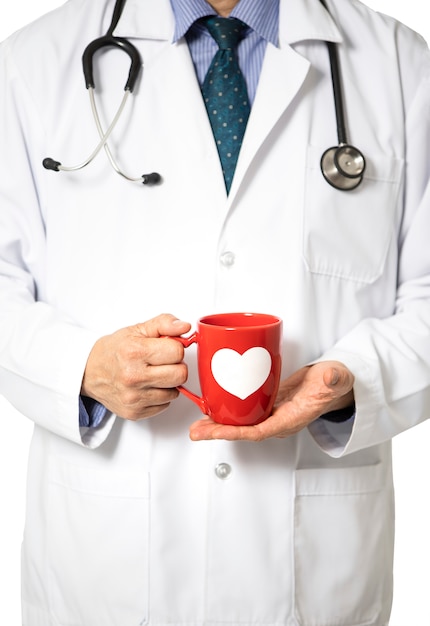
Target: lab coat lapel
{"x": 195, "y": 133}
{"x": 146, "y": 19}
{"x": 283, "y": 73}
{"x": 154, "y": 21}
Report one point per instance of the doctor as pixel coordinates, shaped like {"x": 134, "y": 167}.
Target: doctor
{"x": 130, "y": 520}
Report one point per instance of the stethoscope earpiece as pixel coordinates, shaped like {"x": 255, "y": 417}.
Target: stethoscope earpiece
{"x": 343, "y": 167}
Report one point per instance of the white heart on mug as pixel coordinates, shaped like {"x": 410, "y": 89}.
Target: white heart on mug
{"x": 241, "y": 374}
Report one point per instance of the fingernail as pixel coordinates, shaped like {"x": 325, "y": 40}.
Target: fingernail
{"x": 334, "y": 377}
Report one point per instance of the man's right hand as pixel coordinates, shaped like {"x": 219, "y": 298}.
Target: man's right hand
{"x": 134, "y": 372}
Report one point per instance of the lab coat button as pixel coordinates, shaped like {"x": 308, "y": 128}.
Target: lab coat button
{"x": 228, "y": 259}
{"x": 223, "y": 470}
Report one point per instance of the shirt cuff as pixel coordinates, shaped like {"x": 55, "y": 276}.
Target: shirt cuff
{"x": 341, "y": 415}
{"x": 91, "y": 412}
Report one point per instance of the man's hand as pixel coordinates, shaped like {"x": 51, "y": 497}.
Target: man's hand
{"x": 302, "y": 398}
{"x": 135, "y": 371}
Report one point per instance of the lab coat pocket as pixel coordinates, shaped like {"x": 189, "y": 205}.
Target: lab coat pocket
{"x": 343, "y": 542}
{"x": 95, "y": 574}
{"x": 347, "y": 234}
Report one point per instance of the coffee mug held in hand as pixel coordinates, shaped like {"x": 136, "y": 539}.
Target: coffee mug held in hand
{"x": 239, "y": 366}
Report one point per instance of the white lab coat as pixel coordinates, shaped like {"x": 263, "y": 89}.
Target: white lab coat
{"x": 129, "y": 524}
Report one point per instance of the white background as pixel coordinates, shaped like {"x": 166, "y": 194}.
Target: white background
{"x": 412, "y": 461}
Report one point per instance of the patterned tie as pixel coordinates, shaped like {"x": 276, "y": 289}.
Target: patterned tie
{"x": 225, "y": 93}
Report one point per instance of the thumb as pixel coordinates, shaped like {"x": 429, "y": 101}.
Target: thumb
{"x": 338, "y": 377}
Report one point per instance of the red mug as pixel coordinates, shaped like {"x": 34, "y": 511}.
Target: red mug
{"x": 239, "y": 366}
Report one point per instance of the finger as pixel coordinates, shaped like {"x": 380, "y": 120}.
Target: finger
{"x": 165, "y": 324}
{"x": 206, "y": 429}
{"x": 148, "y": 411}
{"x": 135, "y": 406}
{"x": 284, "y": 422}
{"x": 166, "y": 376}
{"x": 139, "y": 379}
{"x": 152, "y": 411}
{"x": 157, "y": 352}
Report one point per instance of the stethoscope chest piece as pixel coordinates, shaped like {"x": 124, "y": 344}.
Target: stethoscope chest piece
{"x": 343, "y": 167}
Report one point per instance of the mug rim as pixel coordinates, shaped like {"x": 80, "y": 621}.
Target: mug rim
{"x": 262, "y": 320}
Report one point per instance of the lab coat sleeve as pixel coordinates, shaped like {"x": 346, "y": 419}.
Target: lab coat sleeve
{"x": 43, "y": 352}
{"x": 390, "y": 358}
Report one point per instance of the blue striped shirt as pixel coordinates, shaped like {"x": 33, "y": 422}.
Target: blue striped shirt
{"x": 262, "y": 19}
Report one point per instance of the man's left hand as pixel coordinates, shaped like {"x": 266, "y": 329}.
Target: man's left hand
{"x": 302, "y": 398}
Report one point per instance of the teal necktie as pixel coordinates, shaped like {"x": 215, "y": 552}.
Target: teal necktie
{"x": 225, "y": 93}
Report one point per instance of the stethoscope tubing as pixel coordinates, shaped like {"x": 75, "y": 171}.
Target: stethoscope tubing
{"x": 103, "y": 136}
{"x": 337, "y": 93}
{"x": 334, "y": 171}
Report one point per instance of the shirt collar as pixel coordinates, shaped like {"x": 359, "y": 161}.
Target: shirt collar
{"x": 264, "y": 22}
{"x": 299, "y": 20}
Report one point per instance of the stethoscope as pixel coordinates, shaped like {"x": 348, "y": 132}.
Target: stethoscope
{"x": 342, "y": 166}
{"x": 108, "y": 41}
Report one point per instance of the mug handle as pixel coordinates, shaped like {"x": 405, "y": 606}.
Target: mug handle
{"x": 186, "y": 342}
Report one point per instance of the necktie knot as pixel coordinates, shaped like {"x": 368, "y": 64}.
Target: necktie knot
{"x": 227, "y": 31}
